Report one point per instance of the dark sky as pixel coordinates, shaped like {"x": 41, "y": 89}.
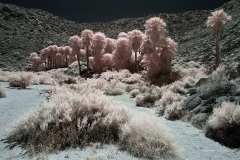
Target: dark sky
{"x": 107, "y": 10}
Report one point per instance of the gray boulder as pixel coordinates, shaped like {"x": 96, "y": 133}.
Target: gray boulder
{"x": 192, "y": 102}
{"x": 199, "y": 120}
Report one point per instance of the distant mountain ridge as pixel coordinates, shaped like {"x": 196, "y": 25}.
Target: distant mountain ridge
{"x": 23, "y": 31}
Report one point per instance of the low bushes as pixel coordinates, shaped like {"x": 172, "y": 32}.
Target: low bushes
{"x": 79, "y": 116}
{"x": 22, "y": 80}
{"x": 224, "y": 124}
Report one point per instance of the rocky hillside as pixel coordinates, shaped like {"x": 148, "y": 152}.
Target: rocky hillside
{"x": 26, "y": 30}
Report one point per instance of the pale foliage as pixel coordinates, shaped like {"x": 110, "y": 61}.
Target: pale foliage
{"x": 22, "y": 80}
{"x": 98, "y": 43}
{"x": 109, "y": 45}
{"x": 78, "y": 116}
{"x": 152, "y": 63}
{"x": 169, "y": 47}
{"x": 123, "y": 35}
{"x": 147, "y": 46}
{"x": 141, "y": 137}
{"x": 136, "y": 38}
{"x": 123, "y": 76}
{"x": 134, "y": 93}
{"x": 75, "y": 42}
{"x": 87, "y": 36}
{"x": 114, "y": 88}
{"x": 122, "y": 53}
{"x": 218, "y": 16}
{"x": 225, "y": 115}
{"x": 217, "y": 83}
{"x": 155, "y": 28}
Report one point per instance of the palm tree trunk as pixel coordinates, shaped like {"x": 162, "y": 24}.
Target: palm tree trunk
{"x": 87, "y": 58}
{"x": 136, "y": 67}
{"x": 79, "y": 65}
{"x": 217, "y": 59}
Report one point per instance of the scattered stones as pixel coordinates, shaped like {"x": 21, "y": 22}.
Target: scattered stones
{"x": 192, "y": 102}
{"x": 192, "y": 91}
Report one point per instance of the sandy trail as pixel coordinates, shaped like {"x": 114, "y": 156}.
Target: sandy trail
{"x": 15, "y": 105}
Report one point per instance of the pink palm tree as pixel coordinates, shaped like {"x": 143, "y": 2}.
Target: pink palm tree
{"x": 87, "y": 37}
{"x": 152, "y": 63}
{"x": 168, "y": 50}
{"x": 218, "y": 18}
{"x": 155, "y": 29}
{"x": 122, "y": 53}
{"x": 35, "y": 60}
{"x": 67, "y": 52}
{"x": 122, "y": 35}
{"x": 147, "y": 46}
{"x": 44, "y": 56}
{"x": 109, "y": 45}
{"x": 75, "y": 43}
{"x": 136, "y": 38}
{"x": 98, "y": 44}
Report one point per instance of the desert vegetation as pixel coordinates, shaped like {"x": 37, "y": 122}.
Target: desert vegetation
{"x": 81, "y": 109}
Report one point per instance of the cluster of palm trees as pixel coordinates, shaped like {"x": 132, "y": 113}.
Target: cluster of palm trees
{"x": 151, "y": 49}
{"x": 102, "y": 53}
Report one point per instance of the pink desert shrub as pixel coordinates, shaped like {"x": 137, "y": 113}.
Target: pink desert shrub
{"x": 141, "y": 137}
{"x": 22, "y": 80}
{"x": 122, "y": 54}
{"x": 37, "y": 78}
{"x": 122, "y": 76}
{"x": 148, "y": 97}
{"x": 136, "y": 38}
{"x": 87, "y": 37}
{"x": 75, "y": 43}
{"x": 217, "y": 20}
{"x": 69, "y": 120}
{"x": 114, "y": 88}
{"x": 225, "y": 115}
{"x": 134, "y": 93}
{"x": 174, "y": 111}
{"x": 167, "y": 102}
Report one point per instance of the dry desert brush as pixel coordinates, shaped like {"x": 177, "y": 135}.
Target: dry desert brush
{"x": 22, "y": 80}
{"x": 223, "y": 125}
{"x": 77, "y": 117}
